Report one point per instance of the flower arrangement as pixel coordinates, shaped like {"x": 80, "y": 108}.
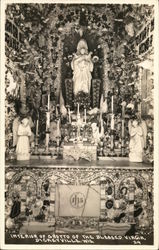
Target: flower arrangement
{"x": 83, "y": 99}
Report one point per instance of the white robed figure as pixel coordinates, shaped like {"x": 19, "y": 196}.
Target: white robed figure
{"x": 15, "y": 127}
{"x": 136, "y": 144}
{"x": 82, "y": 67}
{"x": 23, "y": 143}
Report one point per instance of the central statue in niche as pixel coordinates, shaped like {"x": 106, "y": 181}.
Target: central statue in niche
{"x": 82, "y": 67}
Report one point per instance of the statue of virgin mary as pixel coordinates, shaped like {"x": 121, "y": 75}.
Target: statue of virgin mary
{"x": 82, "y": 67}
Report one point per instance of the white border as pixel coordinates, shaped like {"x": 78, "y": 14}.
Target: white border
{"x": 156, "y": 128}
{"x": 2, "y": 126}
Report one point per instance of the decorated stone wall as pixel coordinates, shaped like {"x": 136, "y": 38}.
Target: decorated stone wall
{"x": 126, "y": 196}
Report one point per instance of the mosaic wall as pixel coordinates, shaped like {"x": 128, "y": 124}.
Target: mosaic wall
{"x": 126, "y": 199}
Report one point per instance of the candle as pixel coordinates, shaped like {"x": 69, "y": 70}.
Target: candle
{"x": 123, "y": 118}
{"x": 85, "y": 115}
{"x": 47, "y": 120}
{"x": 58, "y": 127}
{"x": 69, "y": 115}
{"x": 122, "y": 129}
{"x": 112, "y": 107}
{"x": 123, "y": 111}
{"x": 101, "y": 122}
{"x": 47, "y": 142}
{"x": 57, "y": 111}
{"x": 102, "y": 128}
{"x": 77, "y": 108}
{"x": 48, "y": 104}
{"x": 37, "y": 126}
{"x": 100, "y": 116}
{"x": 112, "y": 122}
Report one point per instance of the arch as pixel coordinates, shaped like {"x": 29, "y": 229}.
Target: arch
{"x": 20, "y": 175}
{"x": 138, "y": 176}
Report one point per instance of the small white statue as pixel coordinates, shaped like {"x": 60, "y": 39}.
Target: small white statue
{"x": 23, "y": 143}
{"x": 15, "y": 127}
{"x": 82, "y": 67}
{"x": 136, "y": 144}
{"x": 63, "y": 109}
{"x": 103, "y": 105}
{"x": 96, "y": 134}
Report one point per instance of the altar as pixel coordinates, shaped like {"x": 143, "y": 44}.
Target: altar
{"x": 85, "y": 118}
{"x": 79, "y": 136}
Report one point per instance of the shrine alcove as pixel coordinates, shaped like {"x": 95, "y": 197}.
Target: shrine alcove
{"x": 70, "y": 48}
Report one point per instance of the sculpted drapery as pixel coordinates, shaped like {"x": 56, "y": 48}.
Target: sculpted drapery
{"x": 82, "y": 67}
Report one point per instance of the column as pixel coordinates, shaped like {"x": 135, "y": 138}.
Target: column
{"x": 52, "y": 202}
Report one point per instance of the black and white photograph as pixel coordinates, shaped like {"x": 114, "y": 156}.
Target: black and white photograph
{"x": 79, "y": 105}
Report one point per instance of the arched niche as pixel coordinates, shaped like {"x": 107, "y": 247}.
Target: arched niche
{"x": 138, "y": 183}
{"x": 69, "y": 48}
{"x": 23, "y": 181}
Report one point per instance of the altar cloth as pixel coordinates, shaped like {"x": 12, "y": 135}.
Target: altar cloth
{"x": 77, "y": 200}
{"x": 80, "y": 151}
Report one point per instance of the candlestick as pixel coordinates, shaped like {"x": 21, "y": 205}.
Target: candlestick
{"x": 48, "y": 104}
{"x": 47, "y": 120}
{"x": 112, "y": 122}
{"x": 123, "y": 129}
{"x": 123, "y": 120}
{"x": 36, "y": 152}
{"x": 123, "y": 110}
{"x": 47, "y": 138}
{"x": 57, "y": 113}
{"x": 58, "y": 127}
{"x": 100, "y": 118}
{"x": 69, "y": 115}
{"x": 112, "y": 104}
{"x": 101, "y": 123}
{"x": 47, "y": 144}
{"x": 77, "y": 108}
{"x": 122, "y": 136}
{"x": 85, "y": 115}
{"x": 37, "y": 126}
{"x": 102, "y": 128}
{"x": 112, "y": 153}
{"x": 78, "y": 133}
